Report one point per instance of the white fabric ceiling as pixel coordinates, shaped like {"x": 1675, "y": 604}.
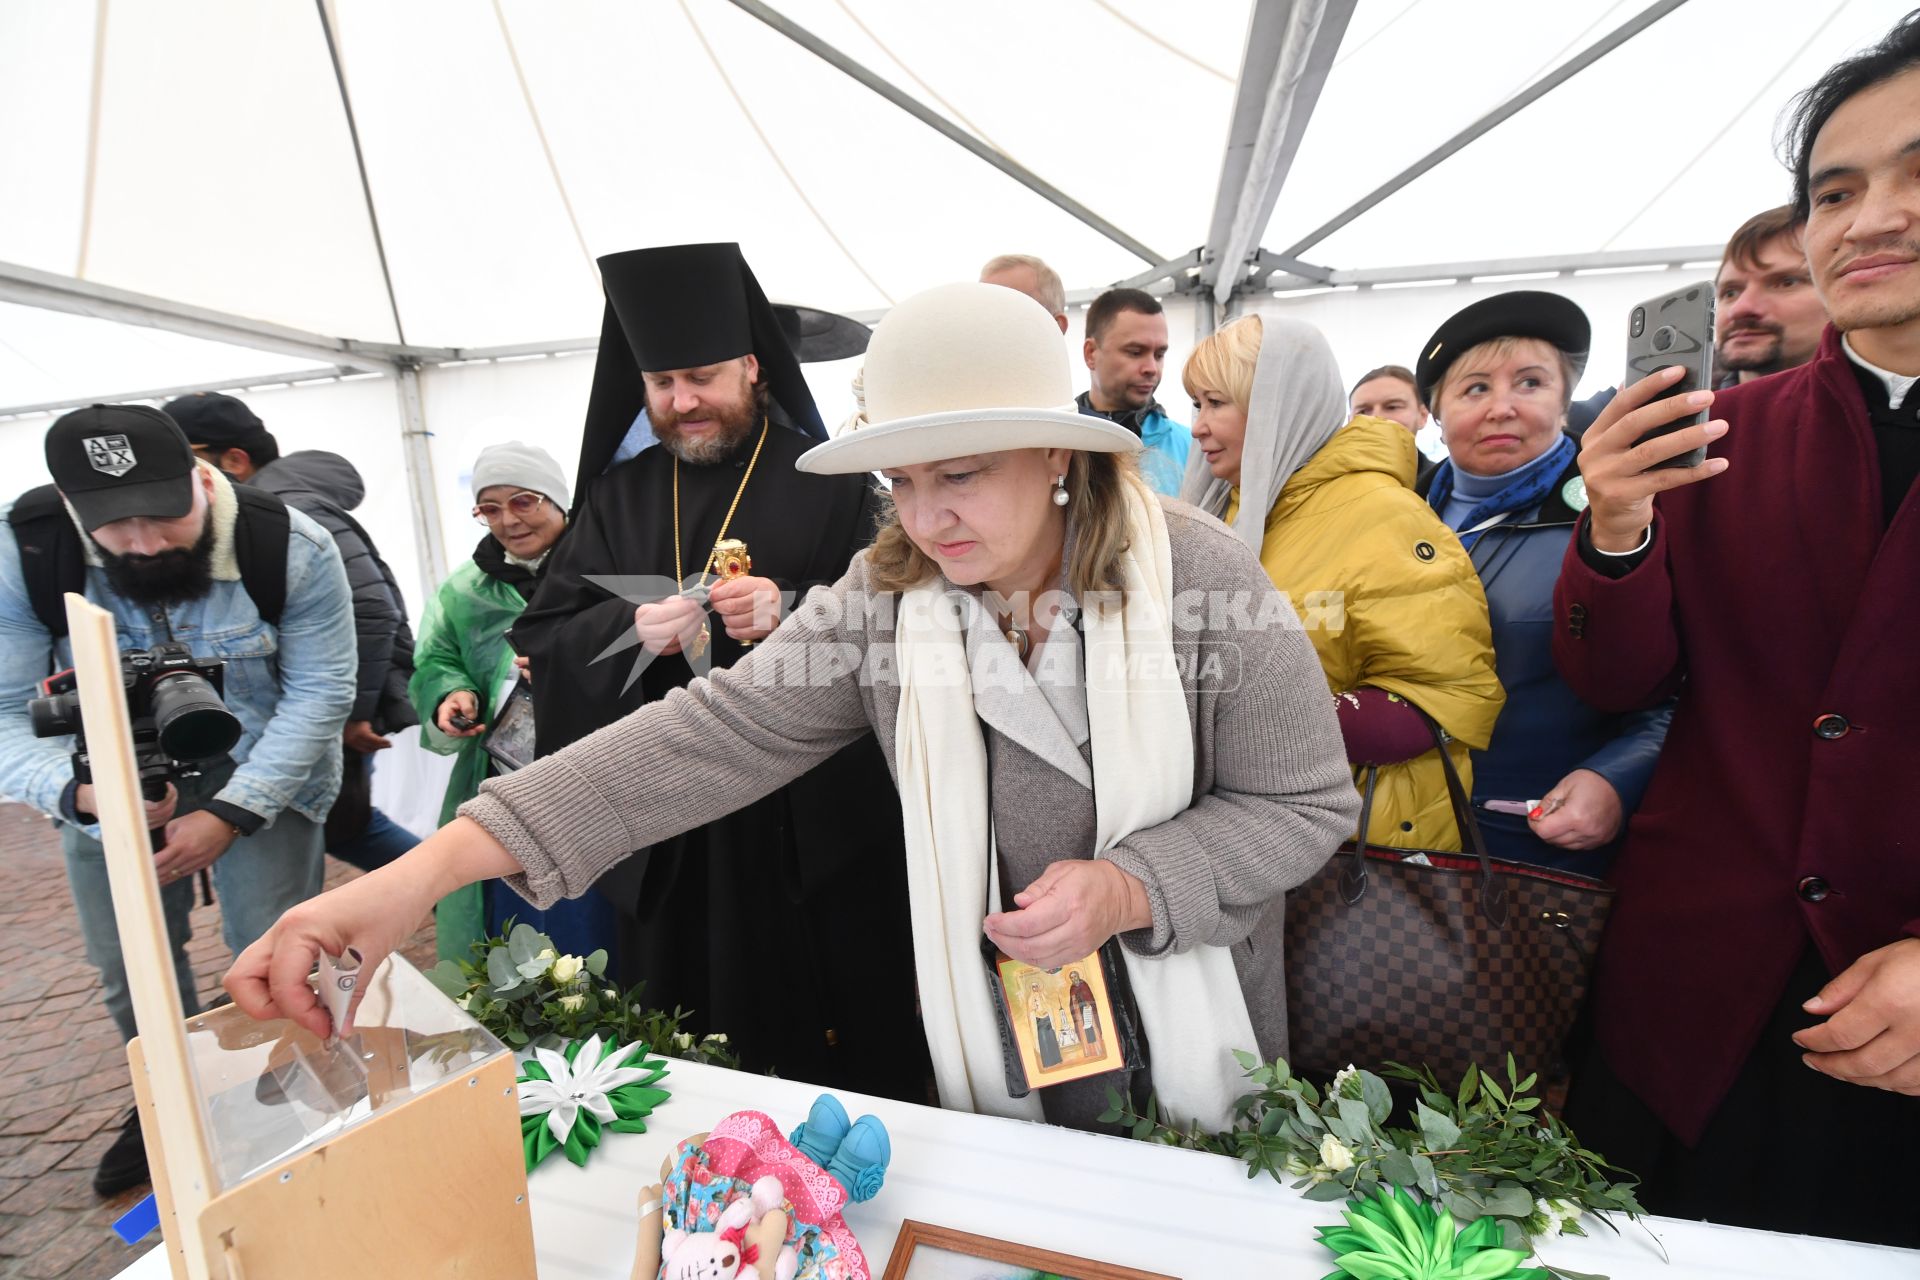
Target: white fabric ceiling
{"x": 214, "y": 167}
{"x": 223, "y": 174}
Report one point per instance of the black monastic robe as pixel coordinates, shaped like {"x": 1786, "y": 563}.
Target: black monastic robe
{"x": 785, "y": 924}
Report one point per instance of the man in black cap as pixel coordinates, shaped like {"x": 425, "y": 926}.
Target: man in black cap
{"x": 228, "y": 434}
{"x": 784, "y": 925}
{"x": 177, "y": 553}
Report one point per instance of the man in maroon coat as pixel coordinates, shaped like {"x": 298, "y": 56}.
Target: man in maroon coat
{"x": 1757, "y": 1004}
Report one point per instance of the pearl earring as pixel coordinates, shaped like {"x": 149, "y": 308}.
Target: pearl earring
{"x": 1059, "y": 491}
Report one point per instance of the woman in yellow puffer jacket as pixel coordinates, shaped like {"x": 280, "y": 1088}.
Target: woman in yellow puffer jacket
{"x": 1389, "y": 598}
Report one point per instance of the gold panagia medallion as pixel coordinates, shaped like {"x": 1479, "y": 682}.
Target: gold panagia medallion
{"x": 730, "y": 559}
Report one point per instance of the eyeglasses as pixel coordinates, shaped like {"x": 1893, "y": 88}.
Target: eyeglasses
{"x": 522, "y": 504}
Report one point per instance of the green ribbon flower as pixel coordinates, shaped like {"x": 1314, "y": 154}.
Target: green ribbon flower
{"x": 569, "y": 1099}
{"x": 1392, "y": 1236}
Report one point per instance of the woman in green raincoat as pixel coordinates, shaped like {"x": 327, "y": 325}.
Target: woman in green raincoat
{"x": 462, "y": 661}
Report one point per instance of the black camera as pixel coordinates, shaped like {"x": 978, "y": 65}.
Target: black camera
{"x": 179, "y": 720}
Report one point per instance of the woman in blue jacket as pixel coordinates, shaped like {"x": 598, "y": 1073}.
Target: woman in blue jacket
{"x": 1559, "y": 778}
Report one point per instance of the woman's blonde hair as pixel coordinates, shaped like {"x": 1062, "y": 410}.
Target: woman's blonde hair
{"x": 1493, "y": 351}
{"x": 1096, "y": 503}
{"x": 1224, "y": 361}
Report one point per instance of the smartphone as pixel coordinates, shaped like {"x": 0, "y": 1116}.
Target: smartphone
{"x": 1674, "y": 328}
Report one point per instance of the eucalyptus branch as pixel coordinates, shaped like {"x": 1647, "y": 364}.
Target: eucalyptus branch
{"x": 1489, "y": 1149}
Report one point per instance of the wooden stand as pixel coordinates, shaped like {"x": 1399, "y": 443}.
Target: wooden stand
{"x": 434, "y": 1186}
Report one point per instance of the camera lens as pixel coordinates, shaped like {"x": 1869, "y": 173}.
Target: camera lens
{"x": 190, "y": 719}
{"x": 1639, "y": 321}
{"x": 1663, "y": 338}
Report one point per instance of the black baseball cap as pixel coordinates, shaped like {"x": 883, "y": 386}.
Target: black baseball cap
{"x": 1519, "y": 313}
{"x": 216, "y": 421}
{"x": 116, "y": 461}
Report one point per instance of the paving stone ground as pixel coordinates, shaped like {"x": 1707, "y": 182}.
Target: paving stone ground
{"x": 66, "y": 1083}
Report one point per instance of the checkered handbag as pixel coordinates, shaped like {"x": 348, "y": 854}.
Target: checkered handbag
{"x": 1437, "y": 959}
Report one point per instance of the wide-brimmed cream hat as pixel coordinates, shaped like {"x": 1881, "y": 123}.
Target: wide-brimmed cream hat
{"x": 965, "y": 369}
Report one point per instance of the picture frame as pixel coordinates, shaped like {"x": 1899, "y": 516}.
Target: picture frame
{"x": 509, "y": 738}
{"x": 922, "y": 1251}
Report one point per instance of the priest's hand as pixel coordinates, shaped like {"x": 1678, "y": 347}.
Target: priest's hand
{"x": 1871, "y": 1035}
{"x": 1583, "y": 811}
{"x": 461, "y": 702}
{"x": 1620, "y": 484}
{"x": 668, "y": 626}
{"x": 749, "y": 608}
{"x": 1069, "y": 912}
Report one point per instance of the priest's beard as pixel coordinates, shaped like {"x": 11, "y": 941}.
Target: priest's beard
{"x": 734, "y": 425}
{"x": 174, "y": 576}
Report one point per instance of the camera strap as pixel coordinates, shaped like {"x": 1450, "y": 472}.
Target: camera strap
{"x": 53, "y": 560}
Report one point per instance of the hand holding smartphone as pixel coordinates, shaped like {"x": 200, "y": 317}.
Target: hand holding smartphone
{"x": 1674, "y": 329}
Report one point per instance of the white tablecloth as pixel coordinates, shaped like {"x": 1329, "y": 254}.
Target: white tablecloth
{"x": 1176, "y": 1212}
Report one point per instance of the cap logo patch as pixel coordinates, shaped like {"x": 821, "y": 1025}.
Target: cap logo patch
{"x": 111, "y": 454}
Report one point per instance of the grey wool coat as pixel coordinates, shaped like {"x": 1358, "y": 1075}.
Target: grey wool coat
{"x": 1272, "y": 793}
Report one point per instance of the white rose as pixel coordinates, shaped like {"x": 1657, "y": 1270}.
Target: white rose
{"x": 1335, "y": 1154}
{"x": 574, "y": 1003}
{"x": 1341, "y": 1077}
{"x": 611, "y": 994}
{"x": 683, "y": 1040}
{"x": 547, "y": 955}
{"x": 718, "y": 1037}
{"x": 465, "y": 1001}
{"x": 567, "y": 968}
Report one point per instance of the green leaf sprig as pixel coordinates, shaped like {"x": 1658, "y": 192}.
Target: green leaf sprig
{"x": 519, "y": 987}
{"x": 1485, "y": 1151}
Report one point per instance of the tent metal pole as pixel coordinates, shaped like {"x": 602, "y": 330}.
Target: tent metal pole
{"x": 1499, "y": 115}
{"x": 1271, "y": 272}
{"x": 159, "y": 395}
{"x": 934, "y": 120}
{"x": 360, "y": 163}
{"x": 417, "y": 445}
{"x": 1290, "y": 49}
{"x": 28, "y": 286}
{"x": 1205, "y": 315}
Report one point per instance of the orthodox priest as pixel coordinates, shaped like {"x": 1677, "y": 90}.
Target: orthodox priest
{"x": 785, "y": 924}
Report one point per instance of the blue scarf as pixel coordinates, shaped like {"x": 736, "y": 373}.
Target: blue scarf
{"x": 1528, "y": 488}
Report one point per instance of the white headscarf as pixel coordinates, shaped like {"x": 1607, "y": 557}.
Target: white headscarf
{"x": 1296, "y": 405}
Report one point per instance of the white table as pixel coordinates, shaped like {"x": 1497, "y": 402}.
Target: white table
{"x": 1107, "y": 1199}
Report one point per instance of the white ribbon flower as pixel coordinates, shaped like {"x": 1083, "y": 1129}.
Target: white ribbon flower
{"x": 582, "y": 1084}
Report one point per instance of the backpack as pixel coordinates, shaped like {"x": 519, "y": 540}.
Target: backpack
{"x": 53, "y": 562}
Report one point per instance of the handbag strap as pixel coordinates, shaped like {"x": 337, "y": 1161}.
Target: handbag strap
{"x": 1493, "y": 894}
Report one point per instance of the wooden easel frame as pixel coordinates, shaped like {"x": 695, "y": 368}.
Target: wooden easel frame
{"x": 433, "y": 1186}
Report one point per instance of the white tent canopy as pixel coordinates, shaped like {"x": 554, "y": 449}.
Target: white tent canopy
{"x": 189, "y": 202}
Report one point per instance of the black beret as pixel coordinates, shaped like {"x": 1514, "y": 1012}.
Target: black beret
{"x": 1521, "y": 313}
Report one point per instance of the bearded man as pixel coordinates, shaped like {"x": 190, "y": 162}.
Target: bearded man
{"x": 178, "y": 554}
{"x": 784, "y": 925}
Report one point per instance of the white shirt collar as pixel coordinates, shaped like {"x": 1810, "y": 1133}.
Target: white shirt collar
{"x": 1898, "y": 384}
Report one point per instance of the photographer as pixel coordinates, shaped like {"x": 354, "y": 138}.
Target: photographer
{"x": 1768, "y": 910}
{"x": 178, "y": 554}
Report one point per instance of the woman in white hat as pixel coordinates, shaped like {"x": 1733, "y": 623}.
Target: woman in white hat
{"x": 1103, "y": 721}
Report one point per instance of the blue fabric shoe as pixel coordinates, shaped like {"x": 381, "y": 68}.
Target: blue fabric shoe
{"x": 826, "y": 1128}
{"x": 860, "y": 1165}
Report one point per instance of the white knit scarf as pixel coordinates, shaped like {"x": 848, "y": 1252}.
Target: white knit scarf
{"x": 1190, "y": 1003}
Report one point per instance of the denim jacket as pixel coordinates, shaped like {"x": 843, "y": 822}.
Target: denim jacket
{"x": 291, "y": 686}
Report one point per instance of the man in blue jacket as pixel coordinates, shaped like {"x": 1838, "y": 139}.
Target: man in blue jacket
{"x": 1126, "y": 353}
{"x": 164, "y": 544}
